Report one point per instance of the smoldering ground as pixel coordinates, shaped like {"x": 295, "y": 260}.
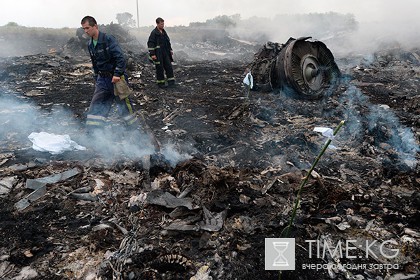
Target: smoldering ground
{"x": 252, "y": 157}
{"x": 379, "y": 122}
{"x": 19, "y": 118}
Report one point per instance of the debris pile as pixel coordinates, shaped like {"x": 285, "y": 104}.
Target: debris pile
{"x": 226, "y": 180}
{"x": 304, "y": 67}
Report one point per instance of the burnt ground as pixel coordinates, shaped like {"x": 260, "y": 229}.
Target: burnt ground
{"x": 241, "y": 159}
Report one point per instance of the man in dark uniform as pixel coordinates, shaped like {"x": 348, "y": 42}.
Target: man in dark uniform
{"x": 161, "y": 53}
{"x": 109, "y": 68}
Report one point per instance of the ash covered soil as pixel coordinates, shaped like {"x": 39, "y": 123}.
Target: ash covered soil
{"x": 228, "y": 176}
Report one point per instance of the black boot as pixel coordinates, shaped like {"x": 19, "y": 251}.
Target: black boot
{"x": 171, "y": 83}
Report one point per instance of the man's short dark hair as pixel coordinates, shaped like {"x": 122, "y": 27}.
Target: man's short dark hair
{"x": 90, "y": 20}
{"x": 159, "y": 20}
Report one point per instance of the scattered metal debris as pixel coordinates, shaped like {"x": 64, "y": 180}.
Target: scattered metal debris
{"x": 304, "y": 67}
{"x": 39, "y": 186}
{"x": 205, "y": 215}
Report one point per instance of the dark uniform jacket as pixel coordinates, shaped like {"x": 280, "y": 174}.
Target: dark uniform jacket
{"x": 107, "y": 56}
{"x": 159, "y": 43}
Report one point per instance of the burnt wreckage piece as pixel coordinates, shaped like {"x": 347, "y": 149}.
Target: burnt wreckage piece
{"x": 306, "y": 68}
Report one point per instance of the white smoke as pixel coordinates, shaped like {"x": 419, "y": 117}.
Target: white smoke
{"x": 363, "y": 117}
{"x": 19, "y": 118}
{"x": 343, "y": 33}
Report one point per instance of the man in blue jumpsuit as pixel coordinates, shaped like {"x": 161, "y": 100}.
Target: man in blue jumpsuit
{"x": 109, "y": 68}
{"x": 160, "y": 51}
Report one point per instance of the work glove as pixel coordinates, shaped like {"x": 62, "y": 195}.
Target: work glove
{"x": 121, "y": 88}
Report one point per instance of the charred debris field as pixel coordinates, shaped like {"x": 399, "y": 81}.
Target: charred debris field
{"x": 227, "y": 176}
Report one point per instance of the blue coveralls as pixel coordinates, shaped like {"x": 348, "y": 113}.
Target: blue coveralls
{"x": 107, "y": 60}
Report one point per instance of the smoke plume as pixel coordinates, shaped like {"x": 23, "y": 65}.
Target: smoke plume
{"x": 19, "y": 118}
{"x": 366, "y": 120}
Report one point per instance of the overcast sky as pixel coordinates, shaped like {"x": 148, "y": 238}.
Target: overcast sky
{"x": 58, "y": 14}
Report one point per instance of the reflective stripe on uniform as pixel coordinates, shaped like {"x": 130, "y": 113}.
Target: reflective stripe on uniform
{"x": 95, "y": 120}
{"x": 128, "y": 103}
{"x": 132, "y": 119}
{"x": 96, "y": 117}
{"x": 93, "y": 123}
